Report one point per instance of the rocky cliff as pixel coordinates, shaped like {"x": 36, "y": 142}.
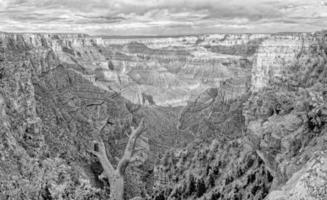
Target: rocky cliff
{"x": 275, "y": 54}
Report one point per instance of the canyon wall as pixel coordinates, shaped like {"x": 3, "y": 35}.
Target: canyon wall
{"x": 171, "y": 70}
{"x": 238, "y": 62}
{"x": 275, "y": 54}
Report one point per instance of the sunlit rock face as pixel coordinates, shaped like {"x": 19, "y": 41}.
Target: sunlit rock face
{"x": 275, "y": 54}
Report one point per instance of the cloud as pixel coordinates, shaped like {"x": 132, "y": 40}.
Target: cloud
{"x": 3, "y": 5}
{"x": 121, "y": 17}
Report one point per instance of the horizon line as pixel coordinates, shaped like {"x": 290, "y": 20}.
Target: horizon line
{"x": 161, "y": 36}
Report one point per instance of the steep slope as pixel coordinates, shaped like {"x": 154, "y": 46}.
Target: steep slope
{"x": 212, "y": 115}
{"x": 53, "y": 109}
{"x": 28, "y": 171}
{"x": 220, "y": 170}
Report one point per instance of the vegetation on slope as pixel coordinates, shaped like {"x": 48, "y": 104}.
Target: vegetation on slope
{"x": 220, "y": 170}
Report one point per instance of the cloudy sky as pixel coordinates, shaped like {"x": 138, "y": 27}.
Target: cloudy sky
{"x": 162, "y": 17}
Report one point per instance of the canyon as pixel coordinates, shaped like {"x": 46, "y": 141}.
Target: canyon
{"x": 227, "y": 116}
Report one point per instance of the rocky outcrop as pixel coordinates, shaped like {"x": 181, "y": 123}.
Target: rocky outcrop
{"x": 307, "y": 183}
{"x": 275, "y": 54}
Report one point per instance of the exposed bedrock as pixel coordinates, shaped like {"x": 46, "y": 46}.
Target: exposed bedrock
{"x": 275, "y": 54}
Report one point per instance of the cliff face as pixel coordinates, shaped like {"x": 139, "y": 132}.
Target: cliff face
{"x": 275, "y": 54}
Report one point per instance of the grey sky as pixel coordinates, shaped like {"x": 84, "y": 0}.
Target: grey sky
{"x": 162, "y": 17}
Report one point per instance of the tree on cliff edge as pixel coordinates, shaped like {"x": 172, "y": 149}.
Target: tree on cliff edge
{"x": 116, "y": 175}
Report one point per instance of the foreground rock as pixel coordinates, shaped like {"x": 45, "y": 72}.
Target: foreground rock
{"x": 307, "y": 183}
